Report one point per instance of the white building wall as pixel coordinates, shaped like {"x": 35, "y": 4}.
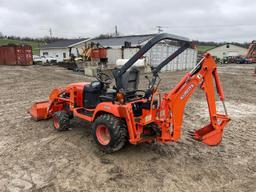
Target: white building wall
{"x": 186, "y": 60}
{"x": 129, "y": 52}
{"x": 56, "y": 53}
{"x": 225, "y": 51}
{"x": 113, "y": 55}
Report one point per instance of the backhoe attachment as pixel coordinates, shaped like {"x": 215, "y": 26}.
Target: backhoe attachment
{"x": 211, "y": 134}
{"x": 205, "y": 76}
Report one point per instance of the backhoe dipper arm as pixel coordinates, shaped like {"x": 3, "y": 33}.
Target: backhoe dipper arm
{"x": 203, "y": 75}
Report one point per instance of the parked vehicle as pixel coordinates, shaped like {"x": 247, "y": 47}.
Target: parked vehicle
{"x": 243, "y": 60}
{"x": 229, "y": 59}
{"x": 44, "y": 59}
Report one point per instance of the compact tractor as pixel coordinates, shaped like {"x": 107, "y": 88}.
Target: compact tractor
{"x": 123, "y": 113}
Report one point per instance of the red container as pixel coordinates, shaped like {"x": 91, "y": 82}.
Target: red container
{"x": 102, "y": 53}
{"x": 16, "y": 55}
{"x": 99, "y": 53}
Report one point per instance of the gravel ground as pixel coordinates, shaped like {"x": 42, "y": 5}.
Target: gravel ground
{"x": 34, "y": 157}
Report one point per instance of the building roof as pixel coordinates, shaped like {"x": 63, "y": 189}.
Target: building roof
{"x": 223, "y": 46}
{"x": 64, "y": 43}
{"x": 118, "y": 41}
{"x": 135, "y": 40}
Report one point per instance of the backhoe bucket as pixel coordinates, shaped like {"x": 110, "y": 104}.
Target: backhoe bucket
{"x": 210, "y": 135}
{"x": 39, "y": 110}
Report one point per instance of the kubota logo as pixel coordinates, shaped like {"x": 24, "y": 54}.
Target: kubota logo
{"x": 186, "y": 92}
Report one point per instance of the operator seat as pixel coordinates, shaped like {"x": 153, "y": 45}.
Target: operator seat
{"x": 130, "y": 80}
{"x": 92, "y": 94}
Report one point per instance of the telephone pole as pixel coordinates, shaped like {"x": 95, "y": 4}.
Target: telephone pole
{"x": 50, "y": 31}
{"x": 116, "y": 32}
{"x": 160, "y": 28}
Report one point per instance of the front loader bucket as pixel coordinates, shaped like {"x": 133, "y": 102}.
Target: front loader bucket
{"x": 210, "y": 135}
{"x": 39, "y": 110}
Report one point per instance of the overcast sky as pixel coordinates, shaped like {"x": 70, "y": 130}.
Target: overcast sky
{"x": 217, "y": 20}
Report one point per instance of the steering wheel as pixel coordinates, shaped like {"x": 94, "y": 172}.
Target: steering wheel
{"x": 103, "y": 78}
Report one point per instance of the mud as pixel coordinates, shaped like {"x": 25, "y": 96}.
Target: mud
{"x": 34, "y": 157}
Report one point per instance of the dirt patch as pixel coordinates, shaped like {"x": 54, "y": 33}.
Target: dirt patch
{"x": 34, "y": 157}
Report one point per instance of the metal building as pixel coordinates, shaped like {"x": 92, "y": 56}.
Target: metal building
{"x": 227, "y": 50}
{"x": 61, "y": 50}
{"x": 124, "y": 47}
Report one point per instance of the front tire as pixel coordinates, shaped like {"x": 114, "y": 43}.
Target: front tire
{"x": 61, "y": 121}
{"x": 109, "y": 132}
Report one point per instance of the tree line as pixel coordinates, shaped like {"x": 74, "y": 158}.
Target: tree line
{"x": 43, "y": 39}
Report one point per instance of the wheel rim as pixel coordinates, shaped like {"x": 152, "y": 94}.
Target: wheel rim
{"x": 56, "y": 123}
{"x": 102, "y": 134}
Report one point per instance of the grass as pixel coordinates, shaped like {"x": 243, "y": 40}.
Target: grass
{"x": 34, "y": 44}
{"x": 203, "y": 48}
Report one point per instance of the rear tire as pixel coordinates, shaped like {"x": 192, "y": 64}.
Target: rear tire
{"x": 61, "y": 121}
{"x": 109, "y": 132}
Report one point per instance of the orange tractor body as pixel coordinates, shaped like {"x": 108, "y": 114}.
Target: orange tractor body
{"x": 128, "y": 115}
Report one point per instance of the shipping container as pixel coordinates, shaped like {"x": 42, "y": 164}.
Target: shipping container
{"x": 16, "y": 55}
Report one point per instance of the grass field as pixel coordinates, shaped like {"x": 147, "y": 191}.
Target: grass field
{"x": 35, "y": 44}
{"x": 203, "y": 48}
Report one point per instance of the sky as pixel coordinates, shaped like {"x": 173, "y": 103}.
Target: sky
{"x": 204, "y": 20}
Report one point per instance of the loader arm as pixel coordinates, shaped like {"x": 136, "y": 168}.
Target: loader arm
{"x": 204, "y": 75}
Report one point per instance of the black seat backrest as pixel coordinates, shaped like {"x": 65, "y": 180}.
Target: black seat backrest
{"x": 130, "y": 79}
{"x": 92, "y": 94}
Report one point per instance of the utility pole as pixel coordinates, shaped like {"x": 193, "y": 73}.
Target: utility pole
{"x": 50, "y": 31}
{"x": 160, "y": 28}
{"x": 116, "y": 32}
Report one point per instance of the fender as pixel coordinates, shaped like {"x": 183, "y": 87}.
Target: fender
{"x": 119, "y": 111}
{"x": 108, "y": 107}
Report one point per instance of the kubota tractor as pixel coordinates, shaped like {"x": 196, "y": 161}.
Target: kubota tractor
{"x": 125, "y": 113}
